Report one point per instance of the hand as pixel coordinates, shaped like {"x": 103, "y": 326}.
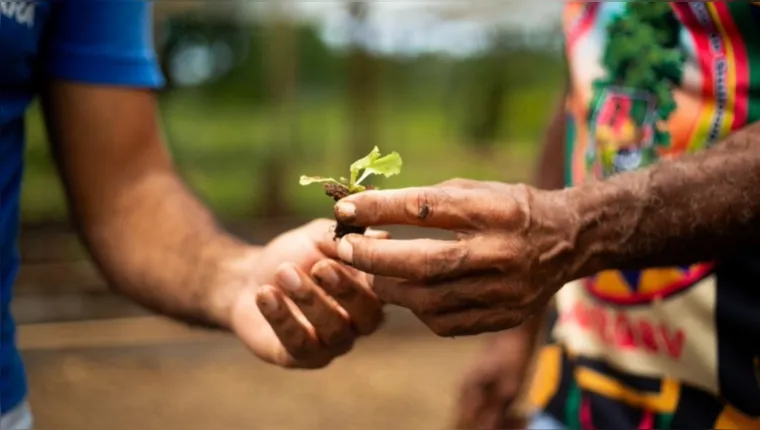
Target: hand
{"x": 491, "y": 393}
{"x": 293, "y": 320}
{"x": 513, "y": 251}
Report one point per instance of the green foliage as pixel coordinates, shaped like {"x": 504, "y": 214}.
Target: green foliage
{"x": 371, "y": 164}
{"x": 220, "y": 133}
{"x": 643, "y": 53}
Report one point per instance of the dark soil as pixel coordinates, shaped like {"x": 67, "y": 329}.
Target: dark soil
{"x": 338, "y": 192}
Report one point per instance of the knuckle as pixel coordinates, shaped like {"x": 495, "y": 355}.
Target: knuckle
{"x": 458, "y": 183}
{"x": 431, "y": 302}
{"x": 419, "y": 205}
{"x": 300, "y": 348}
{"x": 437, "y": 327}
{"x": 337, "y": 336}
{"x": 303, "y": 297}
{"x": 512, "y": 319}
{"x": 438, "y": 262}
{"x": 507, "y": 258}
{"x": 424, "y": 302}
{"x": 277, "y": 317}
{"x": 447, "y": 327}
{"x": 343, "y": 291}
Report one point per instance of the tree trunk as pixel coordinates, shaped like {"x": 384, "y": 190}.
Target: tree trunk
{"x": 362, "y": 88}
{"x": 490, "y": 112}
{"x": 282, "y": 70}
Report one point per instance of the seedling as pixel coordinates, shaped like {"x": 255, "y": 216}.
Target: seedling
{"x": 372, "y": 164}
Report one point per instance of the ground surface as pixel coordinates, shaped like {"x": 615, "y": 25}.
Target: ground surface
{"x": 147, "y": 374}
{"x": 97, "y": 362}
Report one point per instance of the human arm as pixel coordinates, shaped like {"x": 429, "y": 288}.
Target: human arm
{"x": 144, "y": 227}
{"x": 700, "y": 207}
{"x": 152, "y": 239}
{"x": 518, "y": 245}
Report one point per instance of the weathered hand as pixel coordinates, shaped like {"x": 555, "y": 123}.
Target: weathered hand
{"x": 291, "y": 319}
{"x": 512, "y": 252}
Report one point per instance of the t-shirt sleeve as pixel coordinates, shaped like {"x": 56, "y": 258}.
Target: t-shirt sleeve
{"x": 107, "y": 42}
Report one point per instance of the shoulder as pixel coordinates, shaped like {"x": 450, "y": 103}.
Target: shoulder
{"x": 103, "y": 41}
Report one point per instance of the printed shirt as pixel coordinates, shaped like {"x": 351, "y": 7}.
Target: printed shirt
{"x": 106, "y": 42}
{"x": 670, "y": 347}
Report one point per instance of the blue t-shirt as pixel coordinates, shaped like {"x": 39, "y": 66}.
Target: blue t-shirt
{"x": 105, "y": 42}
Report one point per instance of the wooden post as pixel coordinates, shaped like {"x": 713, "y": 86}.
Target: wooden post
{"x": 362, "y": 88}
{"x": 282, "y": 82}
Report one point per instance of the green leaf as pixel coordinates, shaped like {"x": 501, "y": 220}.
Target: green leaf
{"x": 363, "y": 163}
{"x": 387, "y": 166}
{"x": 307, "y": 180}
{"x": 371, "y": 164}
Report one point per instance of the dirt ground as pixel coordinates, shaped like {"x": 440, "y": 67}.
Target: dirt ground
{"x": 150, "y": 374}
{"x": 96, "y": 362}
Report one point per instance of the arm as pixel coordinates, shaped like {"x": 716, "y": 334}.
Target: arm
{"x": 549, "y": 175}
{"x": 288, "y": 301}
{"x": 698, "y": 207}
{"x": 149, "y": 236}
{"x": 153, "y": 240}
{"x": 518, "y": 245}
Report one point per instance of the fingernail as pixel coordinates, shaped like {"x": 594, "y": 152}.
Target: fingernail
{"x": 290, "y": 279}
{"x": 346, "y": 251}
{"x": 345, "y": 211}
{"x": 267, "y": 301}
{"x": 377, "y": 234}
{"x": 327, "y": 276}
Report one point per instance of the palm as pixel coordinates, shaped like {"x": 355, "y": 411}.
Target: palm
{"x": 303, "y": 248}
{"x": 297, "y": 246}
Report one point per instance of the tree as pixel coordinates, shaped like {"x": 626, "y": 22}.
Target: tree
{"x": 643, "y": 53}
{"x": 363, "y": 83}
{"x": 283, "y": 83}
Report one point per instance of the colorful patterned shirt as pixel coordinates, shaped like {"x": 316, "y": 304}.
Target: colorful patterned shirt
{"x": 670, "y": 347}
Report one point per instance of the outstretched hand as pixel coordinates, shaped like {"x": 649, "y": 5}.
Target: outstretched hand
{"x": 512, "y": 252}
{"x": 307, "y": 309}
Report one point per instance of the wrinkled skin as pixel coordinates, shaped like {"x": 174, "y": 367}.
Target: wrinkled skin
{"x": 512, "y": 252}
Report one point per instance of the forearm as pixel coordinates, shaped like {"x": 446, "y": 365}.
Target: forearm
{"x": 151, "y": 238}
{"x": 696, "y": 208}
{"x": 158, "y": 245}
{"x": 549, "y": 174}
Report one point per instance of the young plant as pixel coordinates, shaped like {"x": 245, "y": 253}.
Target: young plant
{"x": 372, "y": 164}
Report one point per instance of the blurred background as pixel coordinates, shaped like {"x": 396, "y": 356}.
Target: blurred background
{"x": 260, "y": 93}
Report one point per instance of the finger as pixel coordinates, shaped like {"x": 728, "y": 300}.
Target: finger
{"x": 295, "y": 337}
{"x": 423, "y": 206}
{"x": 472, "y": 322}
{"x": 460, "y": 183}
{"x": 327, "y": 245}
{"x": 488, "y": 290}
{"x": 420, "y": 259}
{"x": 330, "y": 326}
{"x": 470, "y": 184}
{"x": 317, "y": 228}
{"x": 377, "y": 234}
{"x": 363, "y": 308}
